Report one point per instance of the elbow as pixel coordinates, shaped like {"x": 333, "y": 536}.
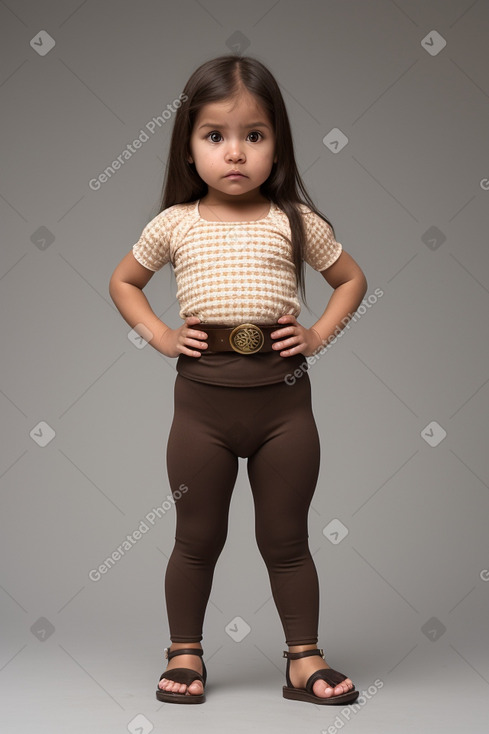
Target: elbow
{"x": 363, "y": 285}
{"x": 113, "y": 283}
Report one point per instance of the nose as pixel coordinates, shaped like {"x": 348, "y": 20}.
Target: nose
{"x": 234, "y": 151}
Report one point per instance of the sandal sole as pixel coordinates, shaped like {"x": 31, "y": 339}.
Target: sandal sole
{"x": 300, "y": 694}
{"x": 169, "y": 697}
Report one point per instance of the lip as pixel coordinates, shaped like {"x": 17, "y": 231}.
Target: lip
{"x": 235, "y": 174}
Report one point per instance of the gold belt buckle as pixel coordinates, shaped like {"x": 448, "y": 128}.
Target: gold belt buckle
{"x": 246, "y": 339}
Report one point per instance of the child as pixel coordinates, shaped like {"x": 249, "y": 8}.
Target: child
{"x": 236, "y": 230}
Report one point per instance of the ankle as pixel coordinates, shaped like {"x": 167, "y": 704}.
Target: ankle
{"x": 184, "y": 645}
{"x": 301, "y": 648}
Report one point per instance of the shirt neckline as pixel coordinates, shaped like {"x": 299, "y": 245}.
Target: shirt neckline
{"x": 220, "y": 221}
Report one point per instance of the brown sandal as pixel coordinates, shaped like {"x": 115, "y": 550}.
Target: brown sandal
{"x": 182, "y": 675}
{"x": 332, "y": 677}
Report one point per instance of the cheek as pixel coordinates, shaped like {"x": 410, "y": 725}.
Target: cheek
{"x": 267, "y": 160}
{"x": 205, "y": 155}
{"x": 266, "y": 154}
{"x": 206, "y": 164}
{"x": 207, "y": 161}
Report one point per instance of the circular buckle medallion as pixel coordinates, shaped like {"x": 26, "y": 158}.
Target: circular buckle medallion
{"x": 246, "y": 339}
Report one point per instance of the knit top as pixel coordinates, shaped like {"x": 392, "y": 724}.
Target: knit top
{"x": 234, "y": 272}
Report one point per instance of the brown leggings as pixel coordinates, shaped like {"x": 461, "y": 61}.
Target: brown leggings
{"x": 274, "y": 427}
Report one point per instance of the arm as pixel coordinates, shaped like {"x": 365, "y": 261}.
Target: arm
{"x": 350, "y": 286}
{"x": 126, "y": 290}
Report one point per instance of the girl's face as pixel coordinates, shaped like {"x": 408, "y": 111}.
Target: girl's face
{"x": 233, "y": 136}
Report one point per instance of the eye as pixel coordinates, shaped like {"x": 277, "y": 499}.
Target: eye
{"x": 211, "y": 138}
{"x": 255, "y": 132}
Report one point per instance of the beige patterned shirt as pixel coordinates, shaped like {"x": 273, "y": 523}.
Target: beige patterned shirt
{"x": 233, "y": 272}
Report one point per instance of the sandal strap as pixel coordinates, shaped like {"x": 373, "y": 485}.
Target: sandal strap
{"x": 303, "y": 654}
{"x": 183, "y": 675}
{"x": 331, "y": 676}
{"x": 183, "y": 651}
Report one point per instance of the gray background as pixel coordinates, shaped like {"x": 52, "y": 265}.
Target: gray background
{"x": 404, "y": 594}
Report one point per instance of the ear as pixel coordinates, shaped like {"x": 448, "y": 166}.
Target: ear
{"x": 190, "y": 159}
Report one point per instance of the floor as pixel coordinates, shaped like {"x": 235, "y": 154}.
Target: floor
{"x": 53, "y": 691}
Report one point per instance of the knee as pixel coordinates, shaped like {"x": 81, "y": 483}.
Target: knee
{"x": 280, "y": 551}
{"x": 203, "y": 547}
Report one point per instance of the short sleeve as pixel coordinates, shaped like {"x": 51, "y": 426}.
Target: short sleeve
{"x": 322, "y": 250}
{"x": 153, "y": 247}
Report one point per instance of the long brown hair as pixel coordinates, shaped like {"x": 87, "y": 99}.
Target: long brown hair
{"x": 221, "y": 79}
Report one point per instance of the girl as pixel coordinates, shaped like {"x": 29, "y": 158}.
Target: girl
{"x": 237, "y": 231}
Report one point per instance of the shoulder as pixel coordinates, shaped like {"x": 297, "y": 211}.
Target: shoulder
{"x": 172, "y": 215}
{"x": 321, "y": 247}
{"x": 310, "y": 216}
{"x": 304, "y": 209}
{"x": 316, "y": 228}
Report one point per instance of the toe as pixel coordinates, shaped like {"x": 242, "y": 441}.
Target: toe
{"x": 343, "y": 687}
{"x": 171, "y": 686}
{"x": 322, "y": 689}
{"x": 195, "y": 688}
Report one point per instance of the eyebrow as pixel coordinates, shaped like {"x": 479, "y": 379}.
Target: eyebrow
{"x": 224, "y": 127}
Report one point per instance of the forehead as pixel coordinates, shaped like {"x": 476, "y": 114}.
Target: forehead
{"x": 243, "y": 108}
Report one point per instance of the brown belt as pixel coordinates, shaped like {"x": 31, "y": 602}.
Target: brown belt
{"x": 244, "y": 339}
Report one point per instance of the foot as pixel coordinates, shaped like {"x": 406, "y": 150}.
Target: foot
{"x": 194, "y": 662}
{"x": 302, "y": 668}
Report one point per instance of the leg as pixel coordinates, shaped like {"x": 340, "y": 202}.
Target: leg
{"x": 202, "y": 473}
{"x": 283, "y": 473}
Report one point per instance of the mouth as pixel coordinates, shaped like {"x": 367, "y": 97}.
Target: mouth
{"x": 235, "y": 174}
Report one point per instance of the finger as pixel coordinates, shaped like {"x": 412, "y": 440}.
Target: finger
{"x": 287, "y": 341}
{"x": 189, "y": 352}
{"x": 287, "y": 319}
{"x": 191, "y": 341}
{"x": 291, "y": 351}
{"x": 191, "y": 333}
{"x": 293, "y": 341}
{"x": 287, "y": 330}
